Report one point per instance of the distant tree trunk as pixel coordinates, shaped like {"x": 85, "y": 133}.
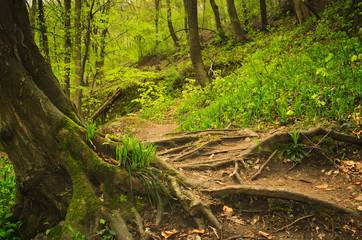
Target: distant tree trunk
{"x": 219, "y": 27}
{"x": 33, "y": 16}
{"x": 264, "y": 19}
{"x": 239, "y": 33}
{"x": 67, "y": 46}
{"x": 301, "y": 10}
{"x": 87, "y": 43}
{"x": 157, "y": 18}
{"x": 170, "y": 26}
{"x": 186, "y": 24}
{"x": 43, "y": 30}
{"x": 194, "y": 41}
{"x": 78, "y": 56}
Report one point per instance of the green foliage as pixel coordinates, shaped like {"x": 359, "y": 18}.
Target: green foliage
{"x": 135, "y": 154}
{"x": 285, "y": 77}
{"x": 91, "y": 127}
{"x": 76, "y": 235}
{"x": 8, "y": 229}
{"x": 106, "y": 232}
{"x": 296, "y": 151}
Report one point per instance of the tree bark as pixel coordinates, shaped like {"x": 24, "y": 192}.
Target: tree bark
{"x": 239, "y": 33}
{"x": 219, "y": 27}
{"x": 170, "y": 26}
{"x": 67, "y": 47}
{"x": 264, "y": 19}
{"x": 194, "y": 41}
{"x": 78, "y": 56}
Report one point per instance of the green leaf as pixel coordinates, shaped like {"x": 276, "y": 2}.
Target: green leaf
{"x": 102, "y": 221}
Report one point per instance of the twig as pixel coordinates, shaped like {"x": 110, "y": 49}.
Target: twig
{"x": 289, "y": 225}
{"x": 263, "y": 166}
{"x": 236, "y": 173}
{"x": 314, "y": 147}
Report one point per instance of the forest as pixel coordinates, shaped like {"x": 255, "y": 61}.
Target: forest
{"x": 193, "y": 119}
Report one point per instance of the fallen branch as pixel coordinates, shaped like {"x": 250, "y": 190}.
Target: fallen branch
{"x": 109, "y": 102}
{"x": 263, "y": 166}
{"x": 291, "y": 224}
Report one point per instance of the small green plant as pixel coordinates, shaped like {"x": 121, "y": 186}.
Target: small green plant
{"x": 136, "y": 158}
{"x": 296, "y": 151}
{"x": 106, "y": 232}
{"x": 91, "y": 126}
{"x": 134, "y": 153}
{"x": 76, "y": 235}
{"x": 257, "y": 143}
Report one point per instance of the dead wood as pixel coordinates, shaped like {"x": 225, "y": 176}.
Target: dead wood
{"x": 263, "y": 166}
{"x": 278, "y": 193}
{"x": 294, "y": 222}
{"x": 107, "y": 104}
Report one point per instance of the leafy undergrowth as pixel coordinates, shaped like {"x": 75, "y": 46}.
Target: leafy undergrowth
{"x": 307, "y": 75}
{"x": 7, "y": 197}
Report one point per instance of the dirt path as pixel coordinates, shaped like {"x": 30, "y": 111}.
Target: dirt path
{"x": 280, "y": 201}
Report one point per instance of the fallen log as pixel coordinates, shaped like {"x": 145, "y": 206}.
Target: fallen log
{"x": 109, "y": 102}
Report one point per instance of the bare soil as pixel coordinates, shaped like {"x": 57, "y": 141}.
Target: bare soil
{"x": 328, "y": 180}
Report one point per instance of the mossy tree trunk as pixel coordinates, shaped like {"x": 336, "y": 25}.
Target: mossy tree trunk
{"x": 58, "y": 175}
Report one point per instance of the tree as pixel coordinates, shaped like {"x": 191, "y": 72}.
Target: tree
{"x": 219, "y": 27}
{"x": 59, "y": 175}
{"x": 239, "y": 33}
{"x": 264, "y": 19}
{"x": 170, "y": 25}
{"x": 194, "y": 41}
{"x": 302, "y": 11}
{"x": 67, "y": 46}
{"x": 78, "y": 83}
{"x": 43, "y": 30}
{"x": 56, "y": 172}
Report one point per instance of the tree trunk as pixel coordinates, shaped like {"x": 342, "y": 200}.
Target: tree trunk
{"x": 67, "y": 46}
{"x": 78, "y": 56}
{"x": 264, "y": 19}
{"x": 43, "y": 30}
{"x": 239, "y": 33}
{"x": 58, "y": 176}
{"x": 170, "y": 26}
{"x": 195, "y": 50}
{"x": 157, "y": 17}
{"x": 219, "y": 27}
{"x": 301, "y": 10}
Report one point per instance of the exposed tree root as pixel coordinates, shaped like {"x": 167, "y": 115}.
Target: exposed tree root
{"x": 278, "y": 193}
{"x": 279, "y": 138}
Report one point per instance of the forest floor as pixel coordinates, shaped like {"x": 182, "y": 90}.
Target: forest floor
{"x": 319, "y": 198}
